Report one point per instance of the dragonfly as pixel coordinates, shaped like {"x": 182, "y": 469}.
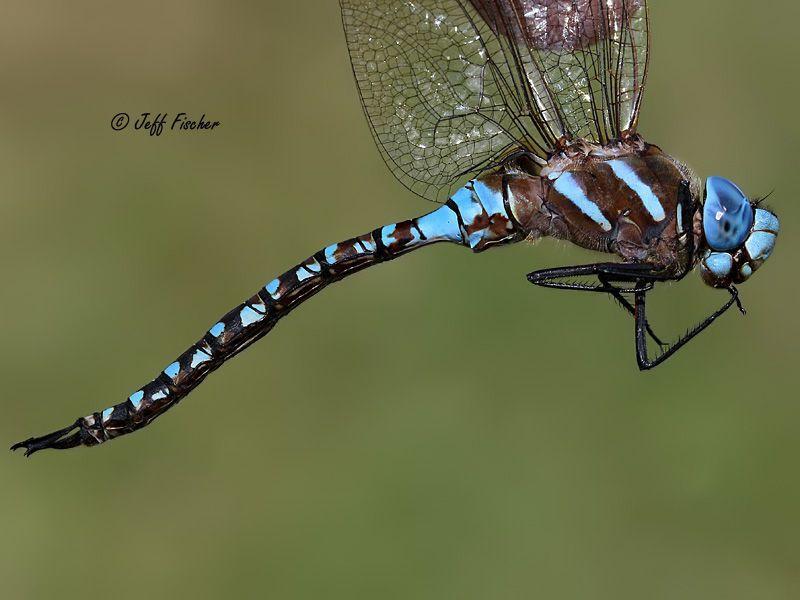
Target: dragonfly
{"x": 519, "y": 119}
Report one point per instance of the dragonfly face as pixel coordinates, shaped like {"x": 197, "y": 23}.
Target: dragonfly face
{"x": 738, "y": 235}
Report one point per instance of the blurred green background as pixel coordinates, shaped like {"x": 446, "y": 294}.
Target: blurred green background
{"x": 504, "y": 444}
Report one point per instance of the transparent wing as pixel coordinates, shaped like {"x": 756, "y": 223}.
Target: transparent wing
{"x": 586, "y": 60}
{"x": 450, "y": 87}
{"x": 436, "y": 89}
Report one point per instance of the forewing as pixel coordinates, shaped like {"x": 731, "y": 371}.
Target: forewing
{"x": 436, "y": 88}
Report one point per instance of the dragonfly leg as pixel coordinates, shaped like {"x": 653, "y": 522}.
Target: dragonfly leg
{"x": 608, "y": 274}
{"x": 642, "y": 327}
{"x": 624, "y": 303}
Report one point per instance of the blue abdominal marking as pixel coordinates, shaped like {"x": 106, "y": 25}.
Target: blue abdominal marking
{"x": 217, "y": 329}
{"x": 624, "y": 171}
{"x": 470, "y": 208}
{"x": 272, "y": 288}
{"x": 303, "y": 273}
{"x": 492, "y": 200}
{"x": 330, "y": 254}
{"x": 369, "y": 245}
{"x": 173, "y": 370}
{"x": 107, "y": 413}
{"x": 441, "y": 224}
{"x": 199, "y": 358}
{"x": 387, "y": 235}
{"x": 248, "y": 316}
{"x": 568, "y": 186}
{"x": 136, "y": 399}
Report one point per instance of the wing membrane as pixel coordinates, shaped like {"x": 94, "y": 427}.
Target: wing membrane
{"x": 450, "y": 87}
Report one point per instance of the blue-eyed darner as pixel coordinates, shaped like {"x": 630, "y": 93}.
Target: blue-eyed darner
{"x": 520, "y": 117}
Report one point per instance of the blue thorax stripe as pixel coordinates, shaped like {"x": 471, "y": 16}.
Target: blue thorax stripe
{"x": 629, "y": 177}
{"x": 568, "y": 186}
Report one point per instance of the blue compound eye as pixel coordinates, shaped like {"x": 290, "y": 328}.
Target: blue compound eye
{"x": 727, "y": 214}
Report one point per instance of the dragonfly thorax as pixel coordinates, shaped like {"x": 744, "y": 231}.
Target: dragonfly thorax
{"x": 627, "y": 198}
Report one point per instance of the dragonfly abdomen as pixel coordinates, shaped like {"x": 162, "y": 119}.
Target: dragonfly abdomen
{"x": 476, "y": 217}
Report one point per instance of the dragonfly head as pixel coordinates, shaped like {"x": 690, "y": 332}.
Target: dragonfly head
{"x": 738, "y": 236}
